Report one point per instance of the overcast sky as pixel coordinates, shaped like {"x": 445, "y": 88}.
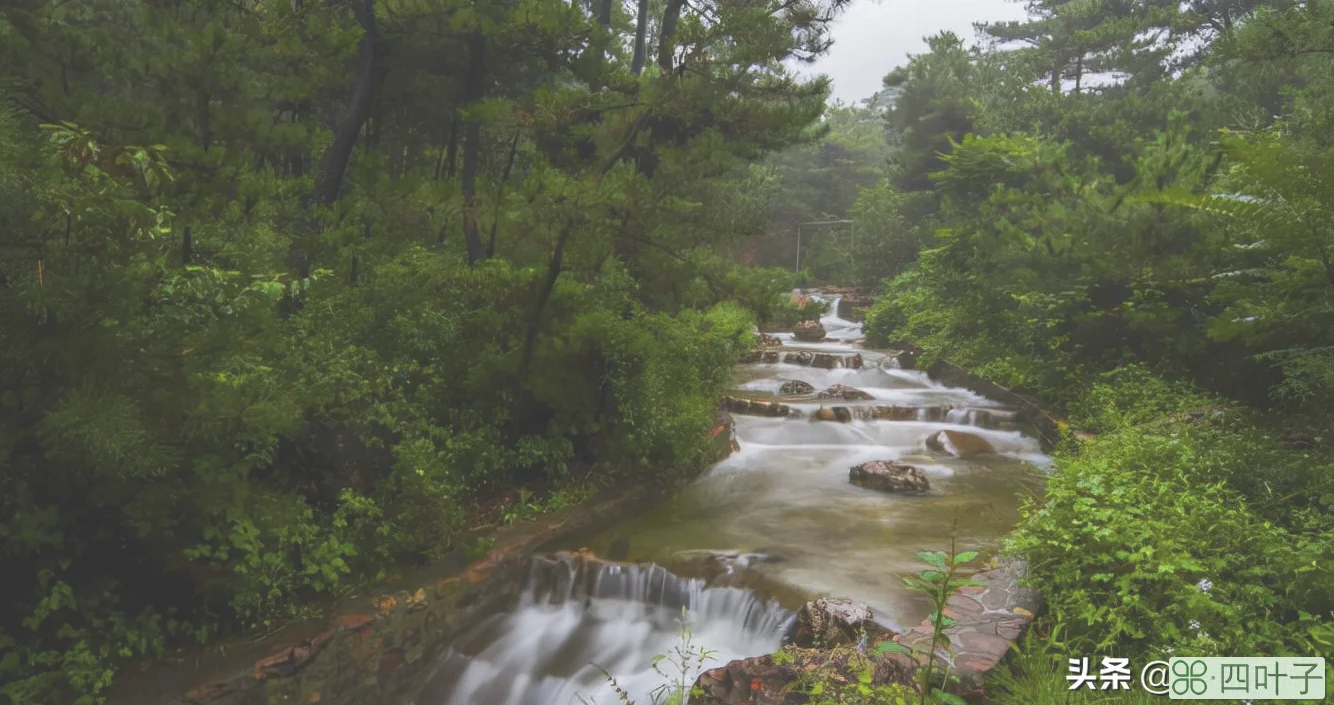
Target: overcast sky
{"x": 874, "y": 36}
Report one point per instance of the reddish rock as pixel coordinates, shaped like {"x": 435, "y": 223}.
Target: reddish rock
{"x": 477, "y": 572}
{"x": 888, "y": 476}
{"x": 761, "y": 681}
{"x": 284, "y": 663}
{"x": 832, "y": 413}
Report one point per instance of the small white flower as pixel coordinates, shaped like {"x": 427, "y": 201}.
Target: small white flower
{"x": 1204, "y": 585}
{"x": 1194, "y": 625}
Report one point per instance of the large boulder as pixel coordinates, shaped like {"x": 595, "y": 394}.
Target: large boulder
{"x": 960, "y": 444}
{"x": 830, "y": 622}
{"x": 888, "y": 476}
{"x": 796, "y": 387}
{"x": 846, "y": 393}
{"x": 762, "y": 680}
{"x": 810, "y": 331}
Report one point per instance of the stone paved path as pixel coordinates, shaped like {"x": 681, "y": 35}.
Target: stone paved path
{"x": 989, "y": 619}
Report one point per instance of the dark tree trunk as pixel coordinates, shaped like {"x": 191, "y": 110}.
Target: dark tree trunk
{"x": 370, "y": 74}
{"x": 543, "y": 298}
{"x": 604, "y": 13}
{"x": 500, "y": 195}
{"x": 667, "y": 38}
{"x": 641, "y": 36}
{"x": 452, "y": 148}
{"x": 187, "y": 247}
{"x": 476, "y": 90}
{"x": 205, "y": 121}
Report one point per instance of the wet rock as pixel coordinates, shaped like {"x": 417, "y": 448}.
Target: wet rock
{"x": 809, "y": 331}
{"x": 888, "y": 476}
{"x": 826, "y": 361}
{"x": 795, "y": 387}
{"x": 721, "y": 568}
{"x": 832, "y": 413}
{"x": 799, "y": 358}
{"x": 958, "y": 443}
{"x": 751, "y": 357}
{"x": 900, "y": 359}
{"x": 770, "y": 341}
{"x": 829, "y": 622}
{"x": 753, "y": 407}
{"x": 762, "y": 681}
{"x": 846, "y": 393}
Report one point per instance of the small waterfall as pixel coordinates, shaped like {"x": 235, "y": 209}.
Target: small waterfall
{"x": 579, "y": 615}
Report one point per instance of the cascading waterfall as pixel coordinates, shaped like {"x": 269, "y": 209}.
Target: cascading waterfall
{"x": 578, "y": 617}
{"x": 787, "y": 490}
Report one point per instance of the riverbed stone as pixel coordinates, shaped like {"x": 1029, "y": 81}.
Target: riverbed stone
{"x": 889, "y": 476}
{"x": 809, "y": 331}
{"x": 796, "y": 387}
{"x": 844, "y": 392}
{"x": 959, "y": 443}
{"x": 832, "y": 413}
{"x": 755, "y": 407}
{"x": 762, "y": 680}
{"x": 829, "y": 622}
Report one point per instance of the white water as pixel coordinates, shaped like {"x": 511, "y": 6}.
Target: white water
{"x": 552, "y": 648}
{"x": 785, "y": 492}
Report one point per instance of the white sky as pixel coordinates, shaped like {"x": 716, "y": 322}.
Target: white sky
{"x": 874, "y": 36}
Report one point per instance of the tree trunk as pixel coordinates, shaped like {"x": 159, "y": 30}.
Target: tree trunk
{"x": 476, "y": 90}
{"x": 500, "y": 195}
{"x": 543, "y": 298}
{"x": 370, "y": 74}
{"x": 667, "y": 36}
{"x": 452, "y": 148}
{"x": 641, "y": 36}
{"x": 604, "y": 13}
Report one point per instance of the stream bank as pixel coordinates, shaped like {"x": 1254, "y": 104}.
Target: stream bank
{"x": 770, "y": 528}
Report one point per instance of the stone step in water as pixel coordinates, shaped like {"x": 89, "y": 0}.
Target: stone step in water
{"x": 804, "y": 358}
{"x": 994, "y": 419}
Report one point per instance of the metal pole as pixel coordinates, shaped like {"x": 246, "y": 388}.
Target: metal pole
{"x": 797, "y": 268}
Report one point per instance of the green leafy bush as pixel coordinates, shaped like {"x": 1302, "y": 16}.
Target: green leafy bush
{"x": 1147, "y": 541}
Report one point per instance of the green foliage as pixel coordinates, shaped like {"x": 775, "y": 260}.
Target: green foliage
{"x": 1035, "y": 674}
{"x": 938, "y": 582}
{"x": 1169, "y": 536}
{"x": 826, "y": 686}
{"x": 1149, "y": 255}
{"x": 247, "y": 360}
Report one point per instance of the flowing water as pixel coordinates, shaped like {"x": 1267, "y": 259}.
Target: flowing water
{"x": 780, "y": 510}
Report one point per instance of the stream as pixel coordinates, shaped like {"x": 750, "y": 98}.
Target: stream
{"x": 781, "y": 519}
